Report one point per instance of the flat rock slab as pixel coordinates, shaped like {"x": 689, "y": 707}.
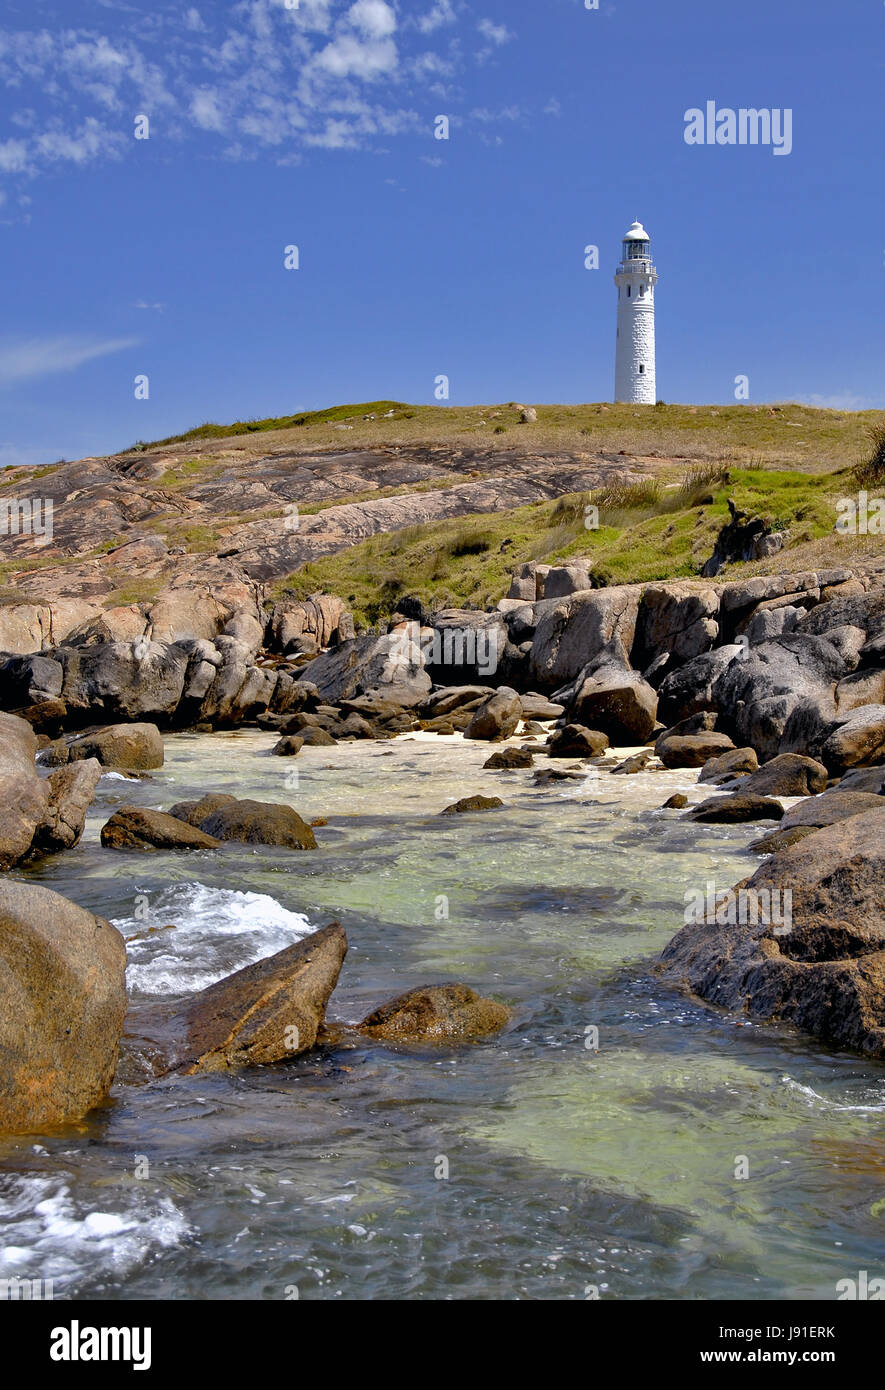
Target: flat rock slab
{"x": 436, "y": 1013}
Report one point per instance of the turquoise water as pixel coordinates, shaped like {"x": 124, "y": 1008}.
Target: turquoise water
{"x": 569, "y": 1170}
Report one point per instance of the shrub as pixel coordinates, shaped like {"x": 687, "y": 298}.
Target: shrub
{"x": 872, "y": 469}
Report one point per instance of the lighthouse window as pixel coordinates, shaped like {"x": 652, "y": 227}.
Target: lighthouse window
{"x": 628, "y": 291}
{"x": 642, "y": 366}
{"x": 642, "y": 289}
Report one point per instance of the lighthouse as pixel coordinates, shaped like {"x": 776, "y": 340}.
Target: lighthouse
{"x": 636, "y": 278}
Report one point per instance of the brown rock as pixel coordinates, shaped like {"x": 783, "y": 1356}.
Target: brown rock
{"x": 834, "y": 806}
{"x": 824, "y": 969}
{"x": 576, "y": 741}
{"x": 728, "y": 765}
{"x": 62, "y": 981}
{"x": 692, "y": 750}
{"x": 473, "y": 803}
{"x": 133, "y": 827}
{"x": 288, "y": 746}
{"x": 728, "y": 810}
{"x": 137, "y": 746}
{"x": 268, "y": 1012}
{"x": 71, "y": 793}
{"x": 259, "y": 823}
{"x": 789, "y": 774}
{"x": 24, "y": 798}
{"x": 497, "y": 717}
{"x": 195, "y": 812}
{"x": 509, "y": 758}
{"x": 435, "y": 1013}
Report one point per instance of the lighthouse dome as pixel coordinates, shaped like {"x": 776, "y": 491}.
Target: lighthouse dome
{"x": 636, "y": 233}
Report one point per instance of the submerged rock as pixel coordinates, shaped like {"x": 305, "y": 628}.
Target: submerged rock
{"x": 435, "y": 1013}
{"x": 473, "y": 803}
{"x": 62, "y": 982}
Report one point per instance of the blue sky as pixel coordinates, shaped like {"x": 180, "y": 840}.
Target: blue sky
{"x": 312, "y": 124}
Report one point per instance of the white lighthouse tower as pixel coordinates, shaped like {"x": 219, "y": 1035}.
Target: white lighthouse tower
{"x": 636, "y": 278}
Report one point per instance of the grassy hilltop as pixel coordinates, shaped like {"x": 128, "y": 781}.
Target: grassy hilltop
{"x": 665, "y": 476}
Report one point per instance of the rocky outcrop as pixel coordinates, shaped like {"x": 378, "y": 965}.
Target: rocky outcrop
{"x": 268, "y": 1012}
{"x": 825, "y": 973}
{"x": 435, "y": 1013}
{"x": 855, "y": 740}
{"x": 573, "y": 632}
{"x": 390, "y": 667}
{"x": 679, "y": 621}
{"x": 133, "y": 827}
{"x": 309, "y": 625}
{"x": 62, "y": 981}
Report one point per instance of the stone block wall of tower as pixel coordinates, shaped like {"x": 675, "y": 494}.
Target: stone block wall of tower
{"x": 635, "y": 349}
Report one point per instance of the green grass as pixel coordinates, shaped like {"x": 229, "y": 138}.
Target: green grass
{"x": 337, "y": 413}
{"x": 647, "y": 531}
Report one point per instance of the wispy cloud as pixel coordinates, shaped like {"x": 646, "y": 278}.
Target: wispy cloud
{"x": 253, "y": 76}
{"x": 39, "y": 357}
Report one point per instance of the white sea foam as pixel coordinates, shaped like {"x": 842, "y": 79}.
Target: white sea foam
{"x": 217, "y": 931}
{"x": 46, "y": 1234}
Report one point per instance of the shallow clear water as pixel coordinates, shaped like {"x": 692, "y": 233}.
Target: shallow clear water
{"x": 567, "y": 1168}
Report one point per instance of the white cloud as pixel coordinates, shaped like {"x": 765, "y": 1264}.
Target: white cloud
{"x": 206, "y": 111}
{"x": 495, "y": 33}
{"x": 375, "y": 17}
{"x": 442, "y": 13}
{"x": 193, "y": 20}
{"x": 143, "y": 304}
{"x": 13, "y": 157}
{"x": 40, "y": 357}
{"x": 844, "y": 400}
{"x": 349, "y": 56}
